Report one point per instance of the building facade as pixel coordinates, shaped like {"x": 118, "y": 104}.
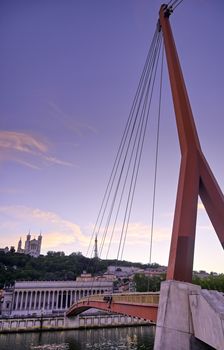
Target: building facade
{"x": 36, "y": 298}
{"x": 32, "y": 246}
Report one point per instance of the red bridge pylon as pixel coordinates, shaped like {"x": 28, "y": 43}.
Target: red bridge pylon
{"x": 195, "y": 178}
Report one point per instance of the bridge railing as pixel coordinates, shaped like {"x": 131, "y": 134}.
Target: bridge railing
{"x": 132, "y": 298}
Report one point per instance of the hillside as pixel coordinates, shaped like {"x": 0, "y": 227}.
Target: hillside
{"x": 53, "y": 266}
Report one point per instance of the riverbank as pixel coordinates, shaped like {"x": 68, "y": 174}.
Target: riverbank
{"x": 56, "y": 323}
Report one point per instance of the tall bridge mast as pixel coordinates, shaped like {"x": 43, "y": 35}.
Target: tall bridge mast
{"x": 195, "y": 178}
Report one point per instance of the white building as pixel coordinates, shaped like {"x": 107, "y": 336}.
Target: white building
{"x": 123, "y": 271}
{"x": 32, "y": 246}
{"x": 48, "y": 297}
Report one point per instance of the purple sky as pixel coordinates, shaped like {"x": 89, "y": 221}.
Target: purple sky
{"x": 69, "y": 71}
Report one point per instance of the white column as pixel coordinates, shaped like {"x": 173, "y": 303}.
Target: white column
{"x": 57, "y": 297}
{"x": 53, "y": 299}
{"x": 26, "y": 300}
{"x": 38, "y": 300}
{"x": 41, "y": 299}
{"x": 48, "y": 300}
{"x": 62, "y": 292}
{"x": 30, "y": 301}
{"x": 17, "y": 300}
{"x": 21, "y": 301}
{"x": 44, "y": 300}
{"x": 35, "y": 301}
{"x": 66, "y": 299}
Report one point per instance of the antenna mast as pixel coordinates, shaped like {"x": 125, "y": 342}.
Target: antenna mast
{"x": 95, "y": 249}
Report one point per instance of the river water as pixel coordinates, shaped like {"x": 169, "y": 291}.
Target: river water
{"x": 130, "y": 338}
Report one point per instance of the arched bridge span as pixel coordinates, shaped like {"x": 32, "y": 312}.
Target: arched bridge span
{"x": 142, "y": 305}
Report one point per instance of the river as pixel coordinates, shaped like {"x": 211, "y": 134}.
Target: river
{"x": 130, "y": 338}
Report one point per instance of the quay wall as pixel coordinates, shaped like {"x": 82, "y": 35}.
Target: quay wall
{"x": 31, "y": 324}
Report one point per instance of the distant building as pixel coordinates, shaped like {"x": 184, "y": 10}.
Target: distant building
{"x": 159, "y": 271}
{"x": 87, "y": 277}
{"x": 32, "y": 246}
{"x": 4, "y": 250}
{"x": 201, "y": 274}
{"x": 122, "y": 271}
{"x": 7, "y": 250}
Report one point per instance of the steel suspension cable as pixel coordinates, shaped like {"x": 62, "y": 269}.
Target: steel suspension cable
{"x": 133, "y": 147}
{"x": 173, "y": 4}
{"x": 138, "y": 159}
{"x": 127, "y": 172}
{"x": 138, "y": 152}
{"x": 120, "y": 150}
{"x": 122, "y": 143}
{"x": 177, "y": 4}
{"x": 131, "y": 131}
{"x": 128, "y": 142}
{"x": 156, "y": 159}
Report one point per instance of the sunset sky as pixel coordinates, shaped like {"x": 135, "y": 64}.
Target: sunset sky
{"x": 69, "y": 71}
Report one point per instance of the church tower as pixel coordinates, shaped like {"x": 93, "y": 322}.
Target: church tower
{"x": 39, "y": 243}
{"x": 19, "y": 249}
{"x": 27, "y": 243}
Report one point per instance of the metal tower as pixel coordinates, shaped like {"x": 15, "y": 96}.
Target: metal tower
{"x": 95, "y": 249}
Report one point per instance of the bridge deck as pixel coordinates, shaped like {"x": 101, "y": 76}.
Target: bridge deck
{"x": 142, "y": 305}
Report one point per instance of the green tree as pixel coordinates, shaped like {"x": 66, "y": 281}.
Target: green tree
{"x": 148, "y": 284}
{"x": 212, "y": 282}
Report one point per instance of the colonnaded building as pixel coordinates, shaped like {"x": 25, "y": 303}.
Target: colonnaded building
{"x": 36, "y": 298}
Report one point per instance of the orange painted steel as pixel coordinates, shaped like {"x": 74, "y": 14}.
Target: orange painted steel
{"x": 196, "y": 177}
{"x": 122, "y": 304}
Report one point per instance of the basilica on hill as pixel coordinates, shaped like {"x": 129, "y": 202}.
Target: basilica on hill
{"x": 32, "y": 246}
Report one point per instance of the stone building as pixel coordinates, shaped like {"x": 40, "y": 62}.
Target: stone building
{"x": 37, "y": 298}
{"x": 4, "y": 250}
{"x": 32, "y": 246}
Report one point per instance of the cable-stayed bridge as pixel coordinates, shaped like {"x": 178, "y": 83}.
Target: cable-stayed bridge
{"x": 186, "y": 316}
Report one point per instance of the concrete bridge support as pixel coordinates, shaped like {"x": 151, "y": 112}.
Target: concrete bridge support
{"x": 180, "y": 317}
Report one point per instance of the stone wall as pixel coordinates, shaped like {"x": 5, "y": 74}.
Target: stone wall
{"x": 58, "y": 323}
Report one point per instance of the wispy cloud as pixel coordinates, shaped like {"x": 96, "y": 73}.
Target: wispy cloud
{"x": 26, "y": 149}
{"x": 57, "y": 231}
{"x": 21, "y": 142}
{"x": 69, "y": 122}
